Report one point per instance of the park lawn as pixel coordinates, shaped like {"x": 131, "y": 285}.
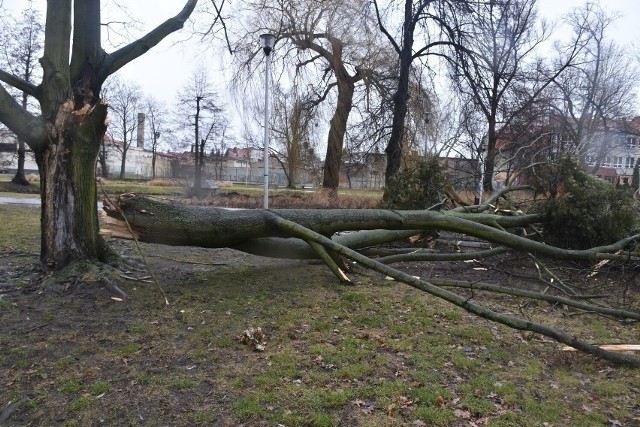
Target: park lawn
{"x": 374, "y": 354}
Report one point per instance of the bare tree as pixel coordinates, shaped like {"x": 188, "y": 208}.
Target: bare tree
{"x": 434, "y": 22}
{"x": 205, "y": 115}
{"x": 327, "y": 45}
{"x": 598, "y": 90}
{"x": 157, "y": 119}
{"x": 66, "y": 136}
{"x": 125, "y": 103}
{"x": 497, "y": 66}
{"x": 292, "y": 124}
{"x": 22, "y": 43}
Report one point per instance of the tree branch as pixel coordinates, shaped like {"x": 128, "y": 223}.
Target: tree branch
{"x": 25, "y": 125}
{"x": 20, "y": 84}
{"x": 457, "y": 300}
{"x": 116, "y": 60}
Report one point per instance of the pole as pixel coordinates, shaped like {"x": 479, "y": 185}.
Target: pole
{"x": 480, "y": 182}
{"x": 266, "y": 133}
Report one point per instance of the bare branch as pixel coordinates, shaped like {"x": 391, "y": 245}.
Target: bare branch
{"x": 20, "y": 84}
{"x": 116, "y": 60}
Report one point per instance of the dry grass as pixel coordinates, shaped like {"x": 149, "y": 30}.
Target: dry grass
{"x": 165, "y": 182}
{"x": 290, "y": 200}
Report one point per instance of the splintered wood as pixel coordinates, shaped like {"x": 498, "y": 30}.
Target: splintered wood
{"x": 610, "y": 347}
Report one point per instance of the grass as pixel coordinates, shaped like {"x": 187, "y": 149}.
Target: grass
{"x": 368, "y": 355}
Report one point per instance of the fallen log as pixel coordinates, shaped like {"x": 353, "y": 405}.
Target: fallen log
{"x": 308, "y": 232}
{"x": 155, "y": 221}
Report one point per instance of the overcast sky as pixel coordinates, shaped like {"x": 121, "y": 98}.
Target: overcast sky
{"x": 173, "y": 63}
{"x": 166, "y": 68}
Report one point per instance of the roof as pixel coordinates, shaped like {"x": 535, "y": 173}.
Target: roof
{"x": 238, "y": 153}
{"x": 606, "y": 172}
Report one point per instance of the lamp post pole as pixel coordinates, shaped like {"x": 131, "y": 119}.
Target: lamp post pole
{"x": 480, "y": 182}
{"x": 267, "y": 41}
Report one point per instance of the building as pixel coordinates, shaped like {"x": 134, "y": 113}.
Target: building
{"x": 610, "y": 152}
{"x": 138, "y": 162}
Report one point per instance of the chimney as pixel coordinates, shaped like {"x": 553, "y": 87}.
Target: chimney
{"x": 141, "y": 130}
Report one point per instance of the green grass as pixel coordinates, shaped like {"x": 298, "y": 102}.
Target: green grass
{"x": 81, "y": 403}
{"x": 21, "y": 232}
{"x": 127, "y": 349}
{"x": 99, "y": 387}
{"x": 183, "y": 383}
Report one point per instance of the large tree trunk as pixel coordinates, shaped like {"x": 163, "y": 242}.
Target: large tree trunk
{"x": 66, "y": 136}
{"x": 394, "y": 146}
{"x": 68, "y": 190}
{"x": 401, "y": 97}
{"x": 337, "y": 130}
{"x": 180, "y": 225}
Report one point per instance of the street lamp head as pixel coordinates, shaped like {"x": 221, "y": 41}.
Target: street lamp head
{"x": 267, "y": 41}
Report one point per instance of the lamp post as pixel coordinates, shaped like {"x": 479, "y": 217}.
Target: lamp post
{"x": 480, "y": 182}
{"x": 267, "y": 41}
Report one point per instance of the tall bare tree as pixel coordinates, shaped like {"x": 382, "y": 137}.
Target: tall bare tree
{"x": 498, "y": 68}
{"x": 66, "y": 136}
{"x": 433, "y": 22}
{"x": 599, "y": 88}
{"x": 292, "y": 126}
{"x": 158, "y": 124}
{"x": 327, "y": 45}
{"x": 22, "y": 43}
{"x": 199, "y": 108}
{"x": 125, "y": 103}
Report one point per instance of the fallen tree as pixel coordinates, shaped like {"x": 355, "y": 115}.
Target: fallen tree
{"x": 303, "y": 233}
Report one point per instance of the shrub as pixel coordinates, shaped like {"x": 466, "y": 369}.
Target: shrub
{"x": 584, "y": 211}
{"x": 418, "y": 187}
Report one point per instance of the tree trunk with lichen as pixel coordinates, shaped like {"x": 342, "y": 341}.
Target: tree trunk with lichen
{"x": 69, "y": 219}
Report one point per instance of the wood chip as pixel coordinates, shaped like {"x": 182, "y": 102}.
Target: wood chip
{"x": 610, "y": 347}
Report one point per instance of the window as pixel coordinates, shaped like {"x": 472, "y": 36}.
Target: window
{"x": 607, "y": 162}
{"x": 629, "y": 163}
{"x": 617, "y": 162}
{"x": 632, "y": 142}
{"x": 589, "y": 160}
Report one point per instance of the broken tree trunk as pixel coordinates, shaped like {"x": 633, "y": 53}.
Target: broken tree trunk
{"x": 252, "y": 230}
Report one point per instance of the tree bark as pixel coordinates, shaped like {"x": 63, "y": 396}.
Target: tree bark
{"x": 401, "y": 97}
{"x": 123, "y": 161}
{"x": 69, "y": 218}
{"x": 156, "y": 222}
{"x": 337, "y": 130}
